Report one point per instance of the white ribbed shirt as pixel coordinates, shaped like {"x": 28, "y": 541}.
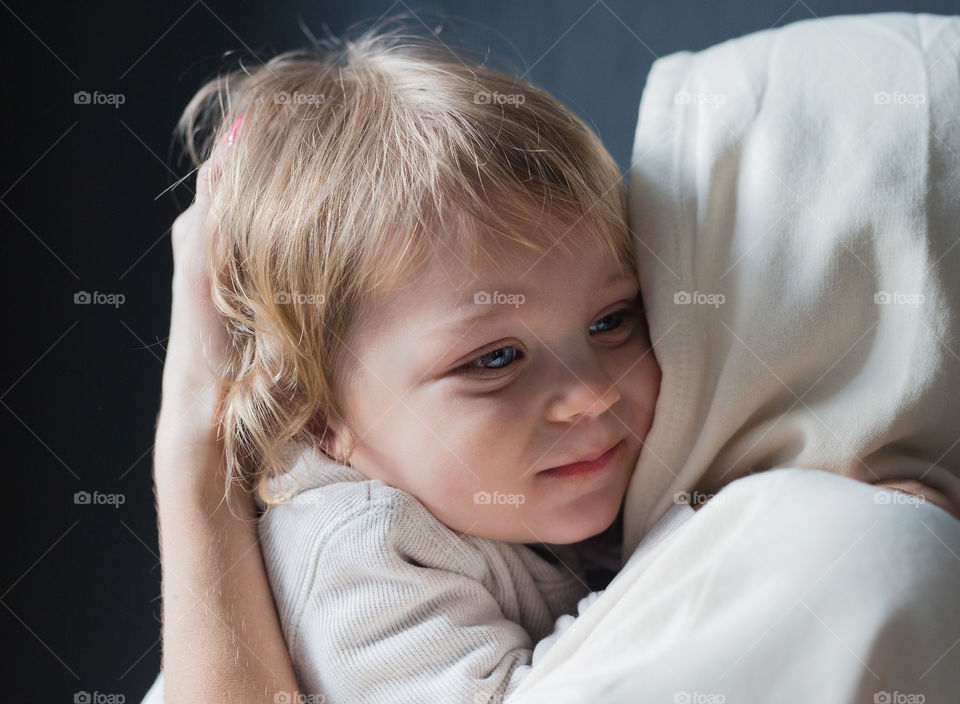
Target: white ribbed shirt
{"x": 381, "y": 602}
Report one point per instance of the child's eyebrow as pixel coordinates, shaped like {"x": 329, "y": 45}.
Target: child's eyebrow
{"x": 463, "y": 325}
{"x": 616, "y": 280}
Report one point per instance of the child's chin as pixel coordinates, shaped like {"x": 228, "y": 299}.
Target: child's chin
{"x": 585, "y": 524}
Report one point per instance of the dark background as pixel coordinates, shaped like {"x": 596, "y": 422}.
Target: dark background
{"x": 81, "y": 383}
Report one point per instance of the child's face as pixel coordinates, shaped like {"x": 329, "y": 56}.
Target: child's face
{"x": 570, "y": 379}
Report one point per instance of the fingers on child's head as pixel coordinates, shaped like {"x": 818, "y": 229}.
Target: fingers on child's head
{"x": 207, "y": 176}
{"x": 210, "y": 171}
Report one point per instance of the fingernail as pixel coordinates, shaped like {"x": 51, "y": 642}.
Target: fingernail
{"x": 234, "y": 130}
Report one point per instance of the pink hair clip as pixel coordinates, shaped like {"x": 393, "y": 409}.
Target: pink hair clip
{"x": 235, "y": 129}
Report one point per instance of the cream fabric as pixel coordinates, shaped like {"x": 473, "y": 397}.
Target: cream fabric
{"x": 798, "y": 173}
{"x": 791, "y": 586}
{"x": 795, "y": 197}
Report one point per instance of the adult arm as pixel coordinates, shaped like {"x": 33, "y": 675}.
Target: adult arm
{"x": 911, "y": 487}
{"x": 788, "y": 572}
{"x": 222, "y": 640}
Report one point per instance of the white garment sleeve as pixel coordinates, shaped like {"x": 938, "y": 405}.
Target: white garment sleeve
{"x": 392, "y": 609}
{"x": 672, "y": 519}
{"x": 154, "y": 695}
{"x": 790, "y": 586}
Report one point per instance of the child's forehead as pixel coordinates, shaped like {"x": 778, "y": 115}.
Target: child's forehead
{"x": 451, "y": 279}
{"x": 451, "y": 265}
{"x": 484, "y": 254}
{"x": 458, "y": 272}
{"x": 433, "y": 296}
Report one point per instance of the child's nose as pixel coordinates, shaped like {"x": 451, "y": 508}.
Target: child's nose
{"x": 586, "y": 391}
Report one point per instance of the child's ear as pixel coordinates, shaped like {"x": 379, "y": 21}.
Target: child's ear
{"x": 328, "y": 436}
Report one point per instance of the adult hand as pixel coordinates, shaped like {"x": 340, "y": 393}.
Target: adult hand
{"x": 222, "y": 640}
{"x": 198, "y": 342}
{"x": 912, "y": 487}
{"x": 919, "y": 489}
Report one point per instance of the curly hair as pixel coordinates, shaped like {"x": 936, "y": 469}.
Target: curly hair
{"x": 357, "y": 159}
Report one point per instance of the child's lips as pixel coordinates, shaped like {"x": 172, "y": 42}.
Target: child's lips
{"x": 584, "y": 468}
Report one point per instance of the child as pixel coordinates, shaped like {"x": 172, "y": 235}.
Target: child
{"x": 439, "y": 357}
{"x": 441, "y": 373}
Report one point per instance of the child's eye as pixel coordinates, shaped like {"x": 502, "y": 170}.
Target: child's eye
{"x": 503, "y": 357}
{"x": 611, "y": 321}
{"x": 493, "y": 360}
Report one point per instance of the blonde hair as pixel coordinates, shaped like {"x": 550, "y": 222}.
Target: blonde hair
{"x": 354, "y": 159}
